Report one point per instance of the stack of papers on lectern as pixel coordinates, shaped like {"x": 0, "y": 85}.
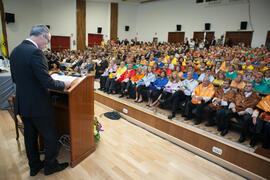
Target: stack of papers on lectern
{"x": 58, "y": 77}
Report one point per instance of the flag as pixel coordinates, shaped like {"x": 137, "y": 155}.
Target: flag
{"x": 3, "y": 46}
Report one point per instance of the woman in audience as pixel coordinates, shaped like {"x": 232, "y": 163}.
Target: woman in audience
{"x": 156, "y": 68}
{"x": 156, "y": 88}
{"x": 144, "y": 83}
{"x": 171, "y": 87}
{"x": 266, "y": 78}
{"x": 103, "y": 78}
{"x": 216, "y": 69}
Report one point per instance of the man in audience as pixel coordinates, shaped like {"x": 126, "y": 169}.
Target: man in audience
{"x": 208, "y": 74}
{"x": 201, "y": 97}
{"x": 222, "y": 98}
{"x": 242, "y": 109}
{"x": 125, "y": 78}
{"x": 183, "y": 94}
{"x": 259, "y": 85}
{"x": 261, "y": 120}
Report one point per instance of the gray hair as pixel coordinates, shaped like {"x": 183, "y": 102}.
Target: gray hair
{"x": 38, "y": 30}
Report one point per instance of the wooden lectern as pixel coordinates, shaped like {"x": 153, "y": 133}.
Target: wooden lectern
{"x": 74, "y": 115}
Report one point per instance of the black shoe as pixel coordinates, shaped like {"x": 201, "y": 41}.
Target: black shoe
{"x": 109, "y": 92}
{"x": 34, "y": 171}
{"x": 55, "y": 168}
{"x": 219, "y": 129}
{"x": 197, "y": 122}
{"x": 242, "y": 139}
{"x": 100, "y": 89}
{"x": 209, "y": 124}
{"x": 252, "y": 142}
{"x": 171, "y": 116}
{"x": 224, "y": 132}
{"x": 187, "y": 118}
{"x": 122, "y": 95}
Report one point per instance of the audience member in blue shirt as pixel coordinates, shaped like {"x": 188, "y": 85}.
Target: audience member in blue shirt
{"x": 190, "y": 69}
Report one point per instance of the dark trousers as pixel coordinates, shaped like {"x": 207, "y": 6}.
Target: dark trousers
{"x": 103, "y": 80}
{"x": 111, "y": 84}
{"x": 177, "y": 99}
{"x": 124, "y": 86}
{"x": 245, "y": 121}
{"x": 217, "y": 116}
{"x": 142, "y": 91}
{"x": 154, "y": 94}
{"x": 45, "y": 126}
{"x": 194, "y": 109}
{"x": 266, "y": 136}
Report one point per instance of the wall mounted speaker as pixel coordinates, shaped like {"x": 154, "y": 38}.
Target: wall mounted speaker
{"x": 243, "y": 25}
{"x": 126, "y": 28}
{"x": 48, "y": 26}
{"x": 9, "y": 18}
{"x": 99, "y": 30}
{"x": 178, "y": 27}
{"x": 207, "y": 26}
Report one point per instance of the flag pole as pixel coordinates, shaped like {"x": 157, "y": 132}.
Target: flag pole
{"x": 4, "y": 26}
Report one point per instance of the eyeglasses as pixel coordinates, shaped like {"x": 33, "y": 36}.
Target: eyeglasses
{"x": 47, "y": 38}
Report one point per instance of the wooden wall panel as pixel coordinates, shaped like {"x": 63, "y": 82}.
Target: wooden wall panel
{"x": 267, "y": 38}
{"x": 81, "y": 24}
{"x": 239, "y": 157}
{"x": 176, "y": 37}
{"x": 114, "y": 21}
{"x": 237, "y": 37}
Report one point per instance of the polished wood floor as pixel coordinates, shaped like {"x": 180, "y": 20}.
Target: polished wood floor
{"x": 125, "y": 151}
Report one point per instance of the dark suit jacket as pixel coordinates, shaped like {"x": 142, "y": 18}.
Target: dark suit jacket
{"x": 29, "y": 70}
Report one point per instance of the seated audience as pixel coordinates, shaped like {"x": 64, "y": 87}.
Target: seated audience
{"x": 156, "y": 88}
{"x": 124, "y": 79}
{"x": 224, "y": 95}
{"x": 183, "y": 94}
{"x": 242, "y": 109}
{"x": 260, "y": 121}
{"x": 144, "y": 83}
{"x": 259, "y": 85}
{"x": 206, "y": 73}
{"x": 231, "y": 74}
{"x": 201, "y": 97}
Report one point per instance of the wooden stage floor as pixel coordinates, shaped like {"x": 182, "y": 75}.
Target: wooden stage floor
{"x": 125, "y": 151}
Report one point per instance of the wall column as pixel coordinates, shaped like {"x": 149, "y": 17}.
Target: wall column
{"x": 81, "y": 24}
{"x": 114, "y": 21}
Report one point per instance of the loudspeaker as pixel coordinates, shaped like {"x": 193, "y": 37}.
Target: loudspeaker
{"x": 178, "y": 27}
{"x": 9, "y": 18}
{"x": 243, "y": 25}
{"x": 126, "y": 28}
{"x": 99, "y": 30}
{"x": 48, "y": 26}
{"x": 207, "y": 26}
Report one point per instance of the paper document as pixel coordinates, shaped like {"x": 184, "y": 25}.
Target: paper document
{"x": 58, "y": 77}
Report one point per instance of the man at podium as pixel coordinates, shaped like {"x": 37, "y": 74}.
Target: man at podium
{"x": 29, "y": 69}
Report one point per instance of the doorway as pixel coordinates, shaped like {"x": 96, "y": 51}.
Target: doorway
{"x": 60, "y": 43}
{"x": 94, "y": 39}
{"x": 176, "y": 37}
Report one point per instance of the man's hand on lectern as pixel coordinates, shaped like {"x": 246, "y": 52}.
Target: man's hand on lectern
{"x": 67, "y": 84}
